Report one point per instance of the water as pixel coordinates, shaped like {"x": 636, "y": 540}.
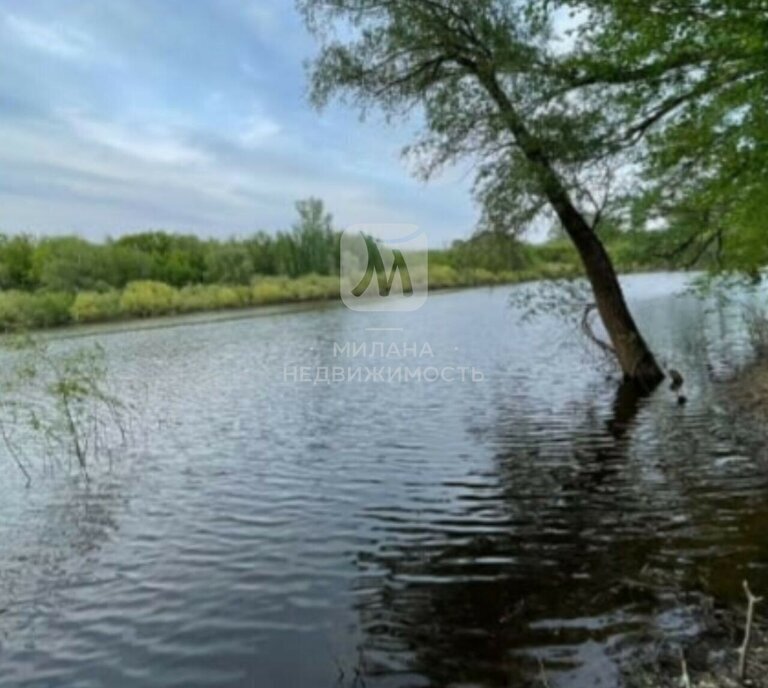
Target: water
{"x": 269, "y": 532}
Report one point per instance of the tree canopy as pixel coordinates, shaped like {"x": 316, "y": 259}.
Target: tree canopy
{"x": 692, "y": 77}
{"x": 663, "y": 100}
{"x": 491, "y": 83}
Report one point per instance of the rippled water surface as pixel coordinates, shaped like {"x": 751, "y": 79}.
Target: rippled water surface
{"x": 266, "y": 531}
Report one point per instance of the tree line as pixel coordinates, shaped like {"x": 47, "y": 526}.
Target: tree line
{"x": 70, "y": 263}
{"x": 52, "y": 281}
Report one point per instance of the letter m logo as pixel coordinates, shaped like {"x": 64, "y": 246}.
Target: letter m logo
{"x": 384, "y": 268}
{"x": 376, "y": 265}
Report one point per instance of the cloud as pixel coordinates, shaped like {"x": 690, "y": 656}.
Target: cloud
{"x": 261, "y": 17}
{"x": 191, "y": 117}
{"x": 258, "y": 129}
{"x": 60, "y": 41}
{"x": 140, "y": 142}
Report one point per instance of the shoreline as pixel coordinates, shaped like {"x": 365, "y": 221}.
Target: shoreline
{"x": 298, "y": 294}
{"x": 214, "y": 315}
{"x": 172, "y": 316}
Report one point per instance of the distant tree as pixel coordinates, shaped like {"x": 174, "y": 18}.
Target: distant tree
{"x": 69, "y": 264}
{"x": 150, "y": 243}
{"x": 286, "y": 256}
{"x": 126, "y": 263}
{"x": 493, "y": 251}
{"x": 176, "y": 259}
{"x": 184, "y": 263}
{"x": 16, "y": 262}
{"x": 492, "y": 86}
{"x": 261, "y": 247}
{"x": 228, "y": 263}
{"x": 314, "y": 238}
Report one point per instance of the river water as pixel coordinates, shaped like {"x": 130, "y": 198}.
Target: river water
{"x": 266, "y": 531}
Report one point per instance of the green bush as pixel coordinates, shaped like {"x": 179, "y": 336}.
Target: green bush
{"x": 268, "y": 290}
{"x": 481, "y": 276}
{"x": 473, "y": 277}
{"x": 147, "y": 298}
{"x": 442, "y": 276}
{"x": 49, "y": 309}
{"x": 12, "y": 311}
{"x": 209, "y": 297}
{"x": 22, "y": 310}
{"x": 509, "y": 277}
{"x": 91, "y": 306}
{"x": 314, "y": 287}
{"x": 230, "y": 297}
{"x": 193, "y": 298}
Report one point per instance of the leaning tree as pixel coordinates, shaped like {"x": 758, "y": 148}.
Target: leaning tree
{"x": 492, "y": 84}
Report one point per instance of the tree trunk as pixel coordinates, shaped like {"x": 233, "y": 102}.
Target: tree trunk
{"x": 635, "y": 358}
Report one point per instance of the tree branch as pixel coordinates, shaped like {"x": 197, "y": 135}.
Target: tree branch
{"x": 744, "y": 649}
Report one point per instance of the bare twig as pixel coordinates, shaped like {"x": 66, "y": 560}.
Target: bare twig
{"x": 15, "y": 455}
{"x": 587, "y": 329}
{"x": 685, "y": 679}
{"x": 543, "y": 674}
{"x": 744, "y": 649}
{"x": 63, "y": 401}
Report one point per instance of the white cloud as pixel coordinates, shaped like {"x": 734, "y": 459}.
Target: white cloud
{"x": 143, "y": 143}
{"x": 57, "y": 40}
{"x": 261, "y": 17}
{"x": 68, "y": 183}
{"x": 217, "y": 142}
{"x": 258, "y": 129}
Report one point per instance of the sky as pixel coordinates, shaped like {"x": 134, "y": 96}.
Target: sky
{"x": 119, "y": 116}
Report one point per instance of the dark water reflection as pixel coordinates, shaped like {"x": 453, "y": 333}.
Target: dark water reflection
{"x": 278, "y": 533}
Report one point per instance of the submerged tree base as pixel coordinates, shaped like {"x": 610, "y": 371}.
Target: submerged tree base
{"x": 647, "y": 374}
